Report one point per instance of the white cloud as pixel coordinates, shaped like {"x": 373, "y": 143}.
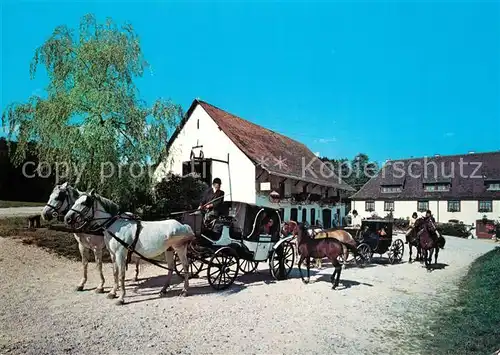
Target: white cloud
{"x": 449, "y": 134}
{"x": 317, "y": 154}
{"x": 326, "y": 140}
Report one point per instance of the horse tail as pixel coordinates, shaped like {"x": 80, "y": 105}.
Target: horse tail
{"x": 441, "y": 242}
{"x": 352, "y": 248}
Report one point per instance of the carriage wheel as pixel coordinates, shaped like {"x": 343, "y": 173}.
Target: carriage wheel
{"x": 248, "y": 266}
{"x": 396, "y": 251}
{"x": 284, "y": 255}
{"x": 223, "y": 268}
{"x": 365, "y": 250}
{"x": 195, "y": 266}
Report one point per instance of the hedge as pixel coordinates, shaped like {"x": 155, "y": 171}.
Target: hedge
{"x": 454, "y": 229}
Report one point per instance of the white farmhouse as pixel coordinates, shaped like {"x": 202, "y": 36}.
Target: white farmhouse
{"x": 255, "y": 164}
{"x": 455, "y": 187}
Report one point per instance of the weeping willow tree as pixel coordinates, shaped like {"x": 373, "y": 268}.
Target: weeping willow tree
{"x": 91, "y": 118}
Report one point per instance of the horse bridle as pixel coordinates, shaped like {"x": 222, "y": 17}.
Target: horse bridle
{"x": 60, "y": 200}
{"x": 86, "y": 219}
{"x": 424, "y": 226}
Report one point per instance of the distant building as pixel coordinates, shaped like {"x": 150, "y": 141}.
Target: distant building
{"x": 456, "y": 187}
{"x": 255, "y": 165}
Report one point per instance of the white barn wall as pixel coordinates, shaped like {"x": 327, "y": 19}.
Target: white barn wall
{"x": 216, "y": 144}
{"x": 402, "y": 209}
{"x": 264, "y": 201}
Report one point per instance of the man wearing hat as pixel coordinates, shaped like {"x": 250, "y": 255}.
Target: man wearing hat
{"x": 208, "y": 205}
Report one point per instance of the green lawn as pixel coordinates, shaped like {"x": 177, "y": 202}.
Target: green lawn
{"x": 5, "y": 204}
{"x": 471, "y": 324}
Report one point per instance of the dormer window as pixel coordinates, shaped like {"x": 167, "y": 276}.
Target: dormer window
{"x": 492, "y": 185}
{"x": 391, "y": 188}
{"x": 436, "y": 187}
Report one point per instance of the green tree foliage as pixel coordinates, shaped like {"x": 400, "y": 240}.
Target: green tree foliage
{"x": 92, "y": 118}
{"x": 355, "y": 172}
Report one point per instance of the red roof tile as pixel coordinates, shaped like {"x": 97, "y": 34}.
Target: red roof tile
{"x": 267, "y": 148}
{"x": 467, "y": 174}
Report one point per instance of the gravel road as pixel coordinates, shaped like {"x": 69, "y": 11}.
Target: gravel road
{"x": 19, "y": 211}
{"x": 372, "y": 313}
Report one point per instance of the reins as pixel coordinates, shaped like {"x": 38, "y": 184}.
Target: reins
{"x": 109, "y": 221}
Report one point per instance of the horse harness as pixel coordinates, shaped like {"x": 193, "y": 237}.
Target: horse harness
{"x": 108, "y": 223}
{"x": 61, "y": 198}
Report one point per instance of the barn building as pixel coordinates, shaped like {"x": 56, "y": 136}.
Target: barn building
{"x": 255, "y": 165}
{"x": 455, "y": 187}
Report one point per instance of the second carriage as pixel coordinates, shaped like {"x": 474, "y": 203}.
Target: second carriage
{"x": 242, "y": 236}
{"x": 376, "y": 237}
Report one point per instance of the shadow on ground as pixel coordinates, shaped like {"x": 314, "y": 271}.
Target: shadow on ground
{"x": 343, "y": 283}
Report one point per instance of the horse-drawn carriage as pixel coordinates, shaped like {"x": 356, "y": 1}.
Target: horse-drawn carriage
{"x": 242, "y": 236}
{"x": 375, "y": 236}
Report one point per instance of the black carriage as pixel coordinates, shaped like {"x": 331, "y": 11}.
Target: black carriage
{"x": 237, "y": 241}
{"x": 375, "y": 237}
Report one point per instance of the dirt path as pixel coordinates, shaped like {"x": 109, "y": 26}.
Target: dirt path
{"x": 41, "y": 313}
{"x": 19, "y": 211}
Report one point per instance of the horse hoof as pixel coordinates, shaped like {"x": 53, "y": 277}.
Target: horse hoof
{"x": 79, "y": 288}
{"x": 120, "y": 302}
{"x": 163, "y": 293}
{"x": 183, "y": 294}
{"x": 99, "y": 290}
{"x": 111, "y": 296}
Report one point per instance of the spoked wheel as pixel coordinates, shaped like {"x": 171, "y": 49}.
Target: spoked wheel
{"x": 281, "y": 262}
{"x": 223, "y": 268}
{"x": 195, "y": 266}
{"x": 365, "y": 250}
{"x": 248, "y": 266}
{"x": 396, "y": 251}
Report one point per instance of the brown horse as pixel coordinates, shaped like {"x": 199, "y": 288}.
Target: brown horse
{"x": 413, "y": 239}
{"x": 428, "y": 241}
{"x": 339, "y": 234}
{"x": 436, "y": 242}
{"x": 330, "y": 248}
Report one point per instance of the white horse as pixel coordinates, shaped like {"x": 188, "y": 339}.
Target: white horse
{"x": 60, "y": 202}
{"x": 154, "y": 238}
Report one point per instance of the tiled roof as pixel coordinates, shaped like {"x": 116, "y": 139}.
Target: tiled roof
{"x": 467, "y": 175}
{"x": 265, "y": 148}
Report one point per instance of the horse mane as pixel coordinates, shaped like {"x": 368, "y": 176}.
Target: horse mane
{"x": 304, "y": 235}
{"x": 75, "y": 193}
{"x": 108, "y": 205}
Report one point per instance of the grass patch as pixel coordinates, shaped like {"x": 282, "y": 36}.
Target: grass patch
{"x": 61, "y": 243}
{"x": 471, "y": 324}
{"x": 8, "y": 204}
{"x": 54, "y": 241}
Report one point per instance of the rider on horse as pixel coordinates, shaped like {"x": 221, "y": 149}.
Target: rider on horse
{"x": 411, "y": 225}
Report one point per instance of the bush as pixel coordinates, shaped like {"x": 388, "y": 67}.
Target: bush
{"x": 174, "y": 193}
{"x": 454, "y": 229}
{"x": 401, "y": 223}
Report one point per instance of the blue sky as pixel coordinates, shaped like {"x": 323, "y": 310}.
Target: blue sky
{"x": 389, "y": 79}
